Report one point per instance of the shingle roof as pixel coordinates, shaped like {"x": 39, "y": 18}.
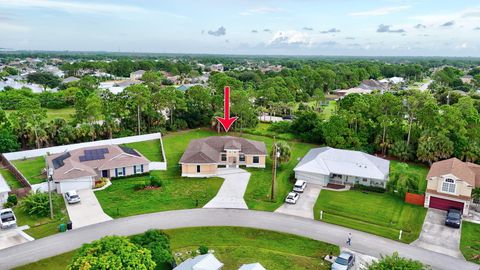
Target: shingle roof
{"x": 456, "y": 167}
{"x": 81, "y": 163}
{"x": 207, "y": 150}
{"x": 327, "y": 160}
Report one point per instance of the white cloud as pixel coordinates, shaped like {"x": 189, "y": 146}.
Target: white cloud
{"x": 261, "y": 10}
{"x": 380, "y": 11}
{"x": 290, "y": 37}
{"x": 72, "y": 7}
{"x": 12, "y": 27}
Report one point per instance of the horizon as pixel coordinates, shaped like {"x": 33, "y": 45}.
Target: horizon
{"x": 348, "y": 28}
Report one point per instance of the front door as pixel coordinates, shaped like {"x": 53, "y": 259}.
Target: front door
{"x": 105, "y": 173}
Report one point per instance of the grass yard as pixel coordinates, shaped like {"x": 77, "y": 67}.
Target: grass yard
{"x": 120, "y": 199}
{"x": 419, "y": 171}
{"x": 262, "y": 130}
{"x": 470, "y": 241}
{"x": 43, "y": 226}
{"x": 65, "y": 113}
{"x": 377, "y": 213}
{"x": 10, "y": 179}
{"x": 32, "y": 169}
{"x": 327, "y": 111}
{"x": 235, "y": 246}
{"x": 152, "y": 150}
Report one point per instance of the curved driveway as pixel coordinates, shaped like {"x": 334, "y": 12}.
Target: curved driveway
{"x": 362, "y": 242}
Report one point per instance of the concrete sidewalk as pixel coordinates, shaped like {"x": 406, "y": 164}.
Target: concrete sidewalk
{"x": 362, "y": 242}
{"x": 233, "y": 188}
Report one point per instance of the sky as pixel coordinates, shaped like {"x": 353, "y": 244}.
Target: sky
{"x": 282, "y": 27}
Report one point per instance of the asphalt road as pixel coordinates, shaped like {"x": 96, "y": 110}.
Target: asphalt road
{"x": 361, "y": 242}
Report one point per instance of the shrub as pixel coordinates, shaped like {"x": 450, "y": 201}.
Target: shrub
{"x": 12, "y": 199}
{"x": 155, "y": 182}
{"x": 139, "y": 186}
{"x": 158, "y": 243}
{"x": 101, "y": 182}
{"x": 396, "y": 262}
{"x": 368, "y": 188}
{"x": 203, "y": 249}
{"x": 36, "y": 204}
{"x": 280, "y": 127}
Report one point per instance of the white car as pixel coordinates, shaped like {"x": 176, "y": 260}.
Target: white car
{"x": 292, "y": 197}
{"x": 344, "y": 261}
{"x": 72, "y": 197}
{"x": 7, "y": 218}
{"x": 299, "y": 186}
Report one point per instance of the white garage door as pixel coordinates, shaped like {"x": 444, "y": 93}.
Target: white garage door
{"x": 313, "y": 178}
{"x": 75, "y": 184}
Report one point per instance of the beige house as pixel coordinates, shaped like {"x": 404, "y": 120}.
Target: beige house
{"x": 204, "y": 156}
{"x": 79, "y": 168}
{"x": 450, "y": 183}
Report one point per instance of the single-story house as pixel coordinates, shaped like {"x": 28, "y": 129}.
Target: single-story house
{"x": 4, "y": 190}
{"x": 79, "y": 168}
{"x": 204, "y": 156}
{"x": 344, "y": 167}
{"x": 200, "y": 262}
{"x": 70, "y": 79}
{"x": 450, "y": 183}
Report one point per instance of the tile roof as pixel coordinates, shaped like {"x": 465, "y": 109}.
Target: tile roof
{"x": 88, "y": 161}
{"x": 464, "y": 171}
{"x": 207, "y": 150}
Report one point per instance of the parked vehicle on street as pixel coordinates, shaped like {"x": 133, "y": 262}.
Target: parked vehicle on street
{"x": 454, "y": 218}
{"x": 72, "y": 197}
{"x": 7, "y": 218}
{"x": 344, "y": 261}
{"x": 292, "y": 197}
{"x": 299, "y": 186}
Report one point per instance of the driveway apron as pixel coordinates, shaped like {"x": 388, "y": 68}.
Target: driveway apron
{"x": 232, "y": 190}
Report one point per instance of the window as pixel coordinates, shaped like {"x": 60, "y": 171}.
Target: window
{"x": 256, "y": 159}
{"x": 364, "y": 179}
{"x": 198, "y": 168}
{"x": 448, "y": 185}
{"x": 138, "y": 169}
{"x": 120, "y": 171}
{"x": 242, "y": 157}
{"x": 224, "y": 157}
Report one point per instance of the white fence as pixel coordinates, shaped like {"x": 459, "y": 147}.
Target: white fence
{"x": 63, "y": 148}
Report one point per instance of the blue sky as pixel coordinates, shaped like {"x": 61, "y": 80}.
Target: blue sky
{"x": 340, "y": 27}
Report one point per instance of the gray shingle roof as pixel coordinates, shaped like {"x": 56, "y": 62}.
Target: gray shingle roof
{"x": 207, "y": 150}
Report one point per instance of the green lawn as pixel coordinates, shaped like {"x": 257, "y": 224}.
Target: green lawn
{"x": 150, "y": 149}
{"x": 327, "y": 111}
{"x": 470, "y": 241}
{"x": 43, "y": 226}
{"x": 262, "y": 130}
{"x": 10, "y": 178}
{"x": 377, "y": 213}
{"x": 65, "y": 113}
{"x": 420, "y": 171}
{"x": 235, "y": 246}
{"x": 32, "y": 169}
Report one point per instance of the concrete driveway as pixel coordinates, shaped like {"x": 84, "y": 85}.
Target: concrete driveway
{"x": 304, "y": 205}
{"x": 231, "y": 193}
{"x": 435, "y": 236}
{"x": 87, "y": 212}
{"x": 13, "y": 237}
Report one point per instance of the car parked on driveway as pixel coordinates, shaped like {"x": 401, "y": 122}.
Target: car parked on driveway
{"x": 72, "y": 197}
{"x": 454, "y": 218}
{"x": 299, "y": 186}
{"x": 292, "y": 197}
{"x": 7, "y": 218}
{"x": 344, "y": 261}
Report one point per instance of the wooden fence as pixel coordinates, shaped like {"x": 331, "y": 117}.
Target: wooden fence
{"x": 20, "y": 192}
{"x": 412, "y": 198}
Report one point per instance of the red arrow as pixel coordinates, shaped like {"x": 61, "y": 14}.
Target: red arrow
{"x": 226, "y": 121}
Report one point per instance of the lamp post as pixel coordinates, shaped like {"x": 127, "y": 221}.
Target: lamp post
{"x": 276, "y": 154}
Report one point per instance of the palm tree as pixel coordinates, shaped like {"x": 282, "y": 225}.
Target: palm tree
{"x": 283, "y": 150}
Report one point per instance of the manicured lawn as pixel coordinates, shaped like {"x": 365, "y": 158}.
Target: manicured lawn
{"x": 470, "y": 241}
{"x": 235, "y": 246}
{"x": 150, "y": 149}
{"x": 65, "y": 113}
{"x": 328, "y": 110}
{"x": 262, "y": 130}
{"x": 377, "y": 213}
{"x": 419, "y": 171}
{"x": 43, "y": 226}
{"x": 10, "y": 178}
{"x": 32, "y": 169}
{"x": 120, "y": 199}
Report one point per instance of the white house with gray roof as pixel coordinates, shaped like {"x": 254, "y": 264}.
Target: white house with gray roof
{"x": 345, "y": 167}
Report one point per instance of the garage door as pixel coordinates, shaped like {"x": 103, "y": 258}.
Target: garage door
{"x": 318, "y": 179}
{"x": 75, "y": 184}
{"x": 444, "y": 204}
